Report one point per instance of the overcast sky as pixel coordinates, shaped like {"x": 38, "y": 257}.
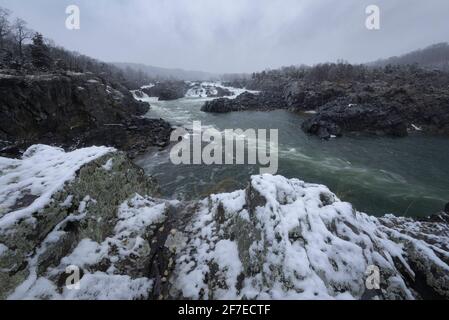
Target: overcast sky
{"x": 237, "y": 35}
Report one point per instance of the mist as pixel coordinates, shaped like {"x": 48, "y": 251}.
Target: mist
{"x": 237, "y": 35}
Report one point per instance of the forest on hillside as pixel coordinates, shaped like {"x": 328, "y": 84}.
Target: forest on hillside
{"x": 25, "y": 51}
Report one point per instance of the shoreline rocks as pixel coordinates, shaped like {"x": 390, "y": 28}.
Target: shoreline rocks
{"x": 73, "y": 110}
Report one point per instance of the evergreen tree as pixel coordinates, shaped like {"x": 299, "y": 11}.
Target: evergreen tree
{"x": 40, "y": 53}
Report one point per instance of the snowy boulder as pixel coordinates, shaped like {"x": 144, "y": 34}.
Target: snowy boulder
{"x": 50, "y": 200}
{"x": 208, "y": 90}
{"x": 286, "y": 239}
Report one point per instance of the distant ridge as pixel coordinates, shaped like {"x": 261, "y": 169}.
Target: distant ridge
{"x": 168, "y": 73}
{"x": 432, "y": 57}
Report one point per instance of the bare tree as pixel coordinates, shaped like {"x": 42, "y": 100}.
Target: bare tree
{"x": 21, "y": 33}
{"x": 4, "y": 25}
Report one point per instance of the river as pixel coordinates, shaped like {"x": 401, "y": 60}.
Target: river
{"x": 378, "y": 175}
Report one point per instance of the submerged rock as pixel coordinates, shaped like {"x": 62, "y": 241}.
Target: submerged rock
{"x": 278, "y": 239}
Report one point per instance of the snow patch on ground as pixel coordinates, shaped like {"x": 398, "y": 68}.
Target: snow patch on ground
{"x": 87, "y": 252}
{"x": 138, "y": 213}
{"x": 96, "y": 286}
{"x": 108, "y": 165}
{"x": 102, "y": 286}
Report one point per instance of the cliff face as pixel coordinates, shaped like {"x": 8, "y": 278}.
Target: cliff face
{"x": 94, "y": 210}
{"x": 71, "y": 110}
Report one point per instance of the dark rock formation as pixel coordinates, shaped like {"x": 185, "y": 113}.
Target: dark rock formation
{"x": 168, "y": 90}
{"x": 71, "y": 110}
{"x": 341, "y": 116}
{"x": 300, "y": 97}
{"x": 247, "y": 101}
{"x": 416, "y": 98}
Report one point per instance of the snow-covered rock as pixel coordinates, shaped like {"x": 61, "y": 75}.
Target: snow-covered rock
{"x": 51, "y": 201}
{"x": 277, "y": 239}
{"x": 286, "y": 239}
{"x": 29, "y": 184}
{"x": 214, "y": 90}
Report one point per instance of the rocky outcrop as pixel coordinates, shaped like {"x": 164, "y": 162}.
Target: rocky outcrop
{"x": 167, "y": 90}
{"x": 73, "y": 110}
{"x": 286, "y": 239}
{"x": 380, "y": 110}
{"x": 278, "y": 239}
{"x": 247, "y": 101}
{"x": 300, "y": 97}
{"x": 208, "y": 90}
{"x": 397, "y": 99}
{"x": 36, "y": 232}
{"x": 342, "y": 116}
